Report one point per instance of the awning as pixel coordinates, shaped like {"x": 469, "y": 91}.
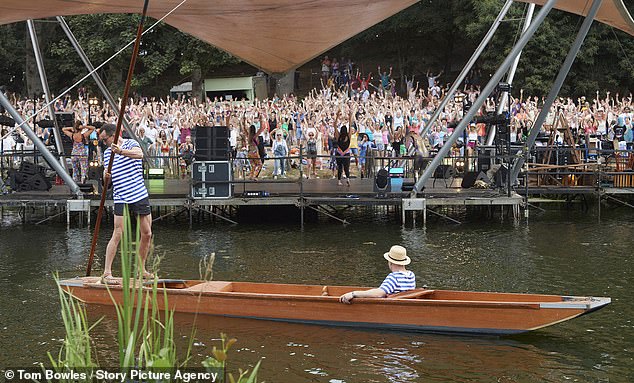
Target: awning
{"x": 612, "y": 12}
{"x": 275, "y": 35}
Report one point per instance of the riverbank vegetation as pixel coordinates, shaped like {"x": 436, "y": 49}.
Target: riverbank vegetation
{"x": 145, "y": 333}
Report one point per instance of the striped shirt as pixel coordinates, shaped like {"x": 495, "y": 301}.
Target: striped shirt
{"x": 127, "y": 175}
{"x": 398, "y": 281}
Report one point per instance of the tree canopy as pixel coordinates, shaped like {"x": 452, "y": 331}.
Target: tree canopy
{"x": 432, "y": 34}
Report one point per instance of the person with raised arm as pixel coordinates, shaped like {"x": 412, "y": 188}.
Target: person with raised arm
{"x": 79, "y": 134}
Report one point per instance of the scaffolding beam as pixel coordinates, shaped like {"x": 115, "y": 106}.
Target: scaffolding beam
{"x": 528, "y": 18}
{"x": 95, "y": 76}
{"x": 554, "y": 91}
{"x": 40, "y": 145}
{"x": 47, "y": 93}
{"x": 465, "y": 71}
{"x": 524, "y": 39}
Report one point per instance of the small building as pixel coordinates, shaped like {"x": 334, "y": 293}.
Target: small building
{"x": 236, "y": 88}
{"x": 184, "y": 89}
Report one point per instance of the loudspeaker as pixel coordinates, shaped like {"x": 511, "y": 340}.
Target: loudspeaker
{"x": 86, "y": 188}
{"x": 212, "y": 143}
{"x": 65, "y": 119}
{"x": 95, "y": 172}
{"x": 46, "y": 123}
{"x": 484, "y": 161}
{"x": 211, "y": 179}
{"x": 382, "y": 182}
{"x": 470, "y": 179}
{"x": 29, "y": 177}
{"x": 30, "y": 168}
{"x": 38, "y": 182}
{"x": 501, "y": 177}
{"x": 7, "y": 121}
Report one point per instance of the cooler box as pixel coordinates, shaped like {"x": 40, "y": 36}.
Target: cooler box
{"x": 396, "y": 179}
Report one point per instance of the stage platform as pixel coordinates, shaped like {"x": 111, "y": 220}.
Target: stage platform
{"x": 170, "y": 192}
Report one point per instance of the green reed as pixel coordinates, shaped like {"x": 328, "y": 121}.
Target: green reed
{"x": 145, "y": 333}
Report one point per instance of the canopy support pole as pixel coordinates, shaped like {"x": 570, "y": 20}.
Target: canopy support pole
{"x": 100, "y": 83}
{"x": 554, "y": 91}
{"x": 524, "y": 39}
{"x": 40, "y": 145}
{"x": 47, "y": 93}
{"x": 511, "y": 76}
{"x": 467, "y": 68}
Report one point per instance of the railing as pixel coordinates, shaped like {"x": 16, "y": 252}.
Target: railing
{"x": 551, "y": 167}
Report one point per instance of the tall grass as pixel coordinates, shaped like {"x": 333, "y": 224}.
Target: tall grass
{"x": 144, "y": 339}
{"x": 76, "y": 349}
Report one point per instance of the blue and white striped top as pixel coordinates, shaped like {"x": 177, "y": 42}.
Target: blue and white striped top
{"x": 127, "y": 175}
{"x": 398, "y": 281}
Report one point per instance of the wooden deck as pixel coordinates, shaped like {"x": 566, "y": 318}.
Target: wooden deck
{"x": 172, "y": 197}
{"x": 171, "y": 192}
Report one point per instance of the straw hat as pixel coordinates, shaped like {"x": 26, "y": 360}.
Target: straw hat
{"x": 397, "y": 255}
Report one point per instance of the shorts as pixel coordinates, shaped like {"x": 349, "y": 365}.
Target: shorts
{"x": 312, "y": 155}
{"x": 354, "y": 151}
{"x": 141, "y": 207}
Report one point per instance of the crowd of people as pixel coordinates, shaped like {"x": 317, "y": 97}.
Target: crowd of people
{"x": 348, "y": 117}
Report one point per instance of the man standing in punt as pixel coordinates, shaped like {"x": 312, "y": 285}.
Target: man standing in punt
{"x": 128, "y": 189}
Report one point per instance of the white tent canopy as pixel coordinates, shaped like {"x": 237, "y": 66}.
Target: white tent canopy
{"x": 275, "y": 35}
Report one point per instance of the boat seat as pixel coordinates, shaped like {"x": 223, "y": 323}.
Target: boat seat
{"x": 211, "y": 286}
{"x": 412, "y": 294}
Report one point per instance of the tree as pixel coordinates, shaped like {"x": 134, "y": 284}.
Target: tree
{"x": 199, "y": 59}
{"x": 12, "y": 53}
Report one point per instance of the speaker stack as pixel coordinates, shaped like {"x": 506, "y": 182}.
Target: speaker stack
{"x": 30, "y": 177}
{"x": 212, "y": 143}
{"x": 211, "y": 179}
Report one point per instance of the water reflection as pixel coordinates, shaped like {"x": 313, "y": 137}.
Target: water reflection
{"x": 567, "y": 254}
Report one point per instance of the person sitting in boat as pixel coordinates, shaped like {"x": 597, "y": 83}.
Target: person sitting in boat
{"x": 400, "y": 279}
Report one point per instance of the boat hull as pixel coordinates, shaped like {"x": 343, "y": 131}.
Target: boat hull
{"x": 442, "y": 311}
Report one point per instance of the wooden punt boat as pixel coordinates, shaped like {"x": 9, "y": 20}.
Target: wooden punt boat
{"x": 444, "y": 311}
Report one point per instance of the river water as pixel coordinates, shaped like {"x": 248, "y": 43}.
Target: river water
{"x": 557, "y": 252}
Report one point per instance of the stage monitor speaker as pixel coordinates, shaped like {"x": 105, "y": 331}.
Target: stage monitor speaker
{"x": 87, "y": 188}
{"x": 382, "y": 182}
{"x": 212, "y": 143}
{"x": 30, "y": 168}
{"x": 211, "y": 179}
{"x": 39, "y": 182}
{"x": 470, "y": 179}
